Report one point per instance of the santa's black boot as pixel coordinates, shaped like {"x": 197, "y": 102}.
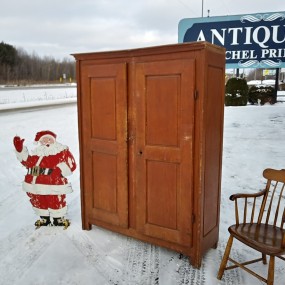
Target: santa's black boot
{"x": 61, "y": 222}
{"x": 44, "y": 221}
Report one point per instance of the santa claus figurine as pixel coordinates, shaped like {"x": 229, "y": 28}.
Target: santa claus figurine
{"x": 45, "y": 181}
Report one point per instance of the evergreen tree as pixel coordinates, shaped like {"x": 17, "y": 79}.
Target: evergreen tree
{"x": 8, "y": 54}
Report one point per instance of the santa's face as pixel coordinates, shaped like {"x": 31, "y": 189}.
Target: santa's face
{"x": 48, "y": 146}
{"x": 47, "y": 141}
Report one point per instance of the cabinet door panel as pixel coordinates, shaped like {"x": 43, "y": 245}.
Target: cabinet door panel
{"x": 104, "y": 147}
{"x": 164, "y": 142}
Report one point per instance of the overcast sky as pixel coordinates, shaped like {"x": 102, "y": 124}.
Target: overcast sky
{"x": 58, "y": 28}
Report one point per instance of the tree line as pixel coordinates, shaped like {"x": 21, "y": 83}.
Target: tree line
{"x": 18, "y": 67}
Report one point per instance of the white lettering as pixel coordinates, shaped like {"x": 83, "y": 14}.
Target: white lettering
{"x": 264, "y": 52}
{"x": 260, "y": 35}
{"x": 228, "y": 52}
{"x": 248, "y": 35}
{"x": 275, "y": 35}
{"x": 272, "y": 53}
{"x": 252, "y": 54}
{"x": 281, "y": 52}
{"x": 236, "y": 54}
{"x": 263, "y": 36}
{"x": 219, "y": 37}
{"x": 241, "y": 54}
{"x": 244, "y": 54}
{"x": 201, "y": 37}
{"x": 235, "y": 35}
{"x": 266, "y": 36}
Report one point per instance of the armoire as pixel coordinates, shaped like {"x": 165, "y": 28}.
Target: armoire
{"x": 150, "y": 139}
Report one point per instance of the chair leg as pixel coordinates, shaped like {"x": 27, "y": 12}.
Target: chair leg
{"x": 270, "y": 278}
{"x": 264, "y": 258}
{"x": 225, "y": 257}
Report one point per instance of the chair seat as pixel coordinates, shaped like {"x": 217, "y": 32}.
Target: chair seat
{"x": 264, "y": 238}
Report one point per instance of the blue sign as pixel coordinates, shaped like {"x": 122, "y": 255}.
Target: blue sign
{"x": 251, "y": 41}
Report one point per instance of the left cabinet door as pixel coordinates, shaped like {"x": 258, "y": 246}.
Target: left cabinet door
{"x": 103, "y": 135}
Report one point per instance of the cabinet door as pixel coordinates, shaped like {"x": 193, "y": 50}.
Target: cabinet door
{"x": 104, "y": 147}
{"x": 164, "y": 149}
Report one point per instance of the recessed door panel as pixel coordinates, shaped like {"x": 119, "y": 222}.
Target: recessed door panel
{"x": 104, "y": 127}
{"x": 162, "y": 179}
{"x": 164, "y": 144}
{"x": 103, "y": 108}
{"x": 105, "y": 196}
{"x": 161, "y": 110}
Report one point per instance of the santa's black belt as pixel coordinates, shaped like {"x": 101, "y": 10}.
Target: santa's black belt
{"x": 36, "y": 171}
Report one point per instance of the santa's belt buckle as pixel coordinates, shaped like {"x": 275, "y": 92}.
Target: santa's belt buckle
{"x": 35, "y": 171}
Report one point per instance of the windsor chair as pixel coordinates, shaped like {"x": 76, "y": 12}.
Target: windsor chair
{"x": 261, "y": 225}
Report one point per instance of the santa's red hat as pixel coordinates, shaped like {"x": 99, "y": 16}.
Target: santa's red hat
{"x": 41, "y": 134}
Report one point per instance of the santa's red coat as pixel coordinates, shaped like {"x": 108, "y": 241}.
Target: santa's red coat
{"x": 51, "y": 181}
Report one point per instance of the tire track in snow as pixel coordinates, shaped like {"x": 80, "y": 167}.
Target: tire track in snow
{"x": 142, "y": 263}
{"x": 128, "y": 261}
{"x": 24, "y": 250}
{"x": 131, "y": 262}
{"x": 187, "y": 274}
{"x": 95, "y": 256}
{"x": 125, "y": 262}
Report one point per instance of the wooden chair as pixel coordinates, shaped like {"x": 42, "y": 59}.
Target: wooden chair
{"x": 259, "y": 229}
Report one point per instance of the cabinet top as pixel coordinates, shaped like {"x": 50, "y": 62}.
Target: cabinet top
{"x": 163, "y": 49}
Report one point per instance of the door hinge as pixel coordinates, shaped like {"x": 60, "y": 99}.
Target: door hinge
{"x": 196, "y": 94}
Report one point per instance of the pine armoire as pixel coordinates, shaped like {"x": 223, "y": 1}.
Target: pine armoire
{"x": 150, "y": 138}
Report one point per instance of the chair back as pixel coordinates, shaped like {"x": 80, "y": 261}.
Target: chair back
{"x": 272, "y": 210}
{"x": 267, "y": 206}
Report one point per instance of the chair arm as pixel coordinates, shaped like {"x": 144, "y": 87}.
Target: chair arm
{"x": 246, "y": 195}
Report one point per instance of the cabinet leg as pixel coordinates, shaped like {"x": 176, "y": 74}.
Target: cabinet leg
{"x": 86, "y": 226}
{"x": 196, "y": 262}
{"x": 215, "y": 245}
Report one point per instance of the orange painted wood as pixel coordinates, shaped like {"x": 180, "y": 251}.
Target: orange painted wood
{"x": 150, "y": 134}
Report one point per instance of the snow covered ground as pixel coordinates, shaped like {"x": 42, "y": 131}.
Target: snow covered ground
{"x": 253, "y": 140}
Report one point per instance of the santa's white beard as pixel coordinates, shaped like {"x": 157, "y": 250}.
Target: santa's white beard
{"x": 52, "y": 149}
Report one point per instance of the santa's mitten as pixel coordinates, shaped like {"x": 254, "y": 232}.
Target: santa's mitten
{"x": 18, "y": 143}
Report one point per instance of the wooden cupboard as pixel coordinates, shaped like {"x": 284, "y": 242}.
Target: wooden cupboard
{"x": 150, "y": 136}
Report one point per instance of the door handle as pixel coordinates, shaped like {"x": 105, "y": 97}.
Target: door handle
{"x": 140, "y": 152}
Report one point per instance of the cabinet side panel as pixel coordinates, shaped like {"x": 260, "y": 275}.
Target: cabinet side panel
{"x": 213, "y": 147}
